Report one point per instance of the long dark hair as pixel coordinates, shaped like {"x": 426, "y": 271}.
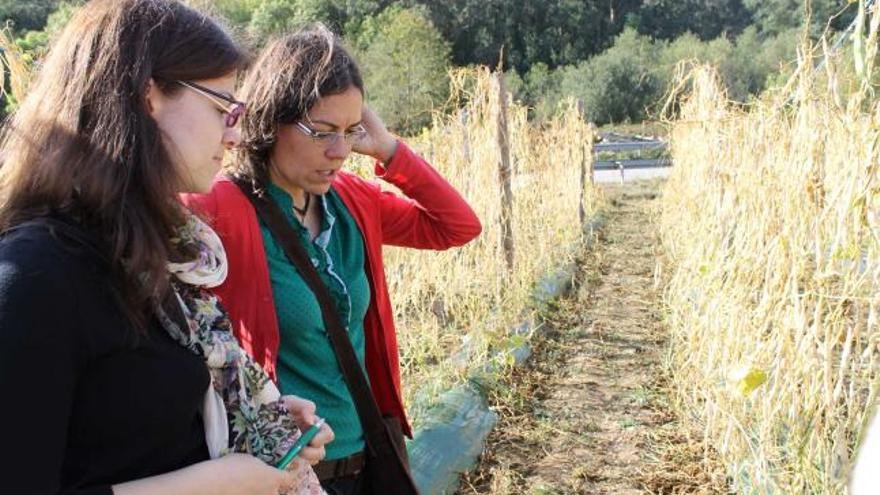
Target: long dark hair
{"x": 82, "y": 144}
{"x": 291, "y": 74}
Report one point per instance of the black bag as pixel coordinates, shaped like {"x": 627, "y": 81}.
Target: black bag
{"x": 386, "y": 460}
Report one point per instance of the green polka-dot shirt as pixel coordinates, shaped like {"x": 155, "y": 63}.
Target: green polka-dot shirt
{"x": 307, "y": 366}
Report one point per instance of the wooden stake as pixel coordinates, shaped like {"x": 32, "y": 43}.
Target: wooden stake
{"x": 582, "y": 206}
{"x": 504, "y": 175}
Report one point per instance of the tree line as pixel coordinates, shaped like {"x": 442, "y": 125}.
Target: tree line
{"x": 615, "y": 55}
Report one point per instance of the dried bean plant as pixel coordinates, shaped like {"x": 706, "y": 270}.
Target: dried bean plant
{"x": 771, "y": 226}
{"x": 455, "y": 308}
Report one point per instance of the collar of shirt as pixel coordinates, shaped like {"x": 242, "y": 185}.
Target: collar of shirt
{"x": 285, "y": 201}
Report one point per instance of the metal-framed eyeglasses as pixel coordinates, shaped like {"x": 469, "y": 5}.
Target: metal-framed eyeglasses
{"x": 233, "y": 108}
{"x": 329, "y": 138}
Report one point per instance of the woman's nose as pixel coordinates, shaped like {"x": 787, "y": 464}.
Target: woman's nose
{"x": 338, "y": 150}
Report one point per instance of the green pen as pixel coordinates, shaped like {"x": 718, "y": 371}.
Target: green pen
{"x": 301, "y": 442}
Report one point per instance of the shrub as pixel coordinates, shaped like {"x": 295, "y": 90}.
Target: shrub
{"x": 405, "y": 62}
{"x": 618, "y": 84}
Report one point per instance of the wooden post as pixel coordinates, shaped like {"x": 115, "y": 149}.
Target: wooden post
{"x": 594, "y": 155}
{"x": 466, "y": 138}
{"x": 582, "y": 206}
{"x": 504, "y": 175}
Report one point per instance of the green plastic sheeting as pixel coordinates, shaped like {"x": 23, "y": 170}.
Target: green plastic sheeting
{"x": 450, "y": 441}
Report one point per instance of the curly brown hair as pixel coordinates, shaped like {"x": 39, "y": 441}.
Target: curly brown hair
{"x": 290, "y": 75}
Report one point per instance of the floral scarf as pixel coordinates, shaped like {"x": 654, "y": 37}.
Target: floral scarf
{"x": 242, "y": 410}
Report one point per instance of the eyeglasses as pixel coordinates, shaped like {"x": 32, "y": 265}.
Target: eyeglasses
{"x": 234, "y": 110}
{"x": 329, "y": 138}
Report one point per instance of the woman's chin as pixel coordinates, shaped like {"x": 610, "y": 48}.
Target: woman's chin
{"x": 197, "y": 187}
{"x": 319, "y": 189}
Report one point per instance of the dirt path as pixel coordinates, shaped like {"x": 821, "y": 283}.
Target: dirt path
{"x": 589, "y": 415}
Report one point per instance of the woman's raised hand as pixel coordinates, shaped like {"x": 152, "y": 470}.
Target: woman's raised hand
{"x": 378, "y": 143}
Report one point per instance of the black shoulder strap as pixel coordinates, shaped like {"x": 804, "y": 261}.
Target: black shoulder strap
{"x": 377, "y": 438}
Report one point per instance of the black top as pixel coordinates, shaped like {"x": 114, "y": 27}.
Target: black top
{"x": 87, "y": 401}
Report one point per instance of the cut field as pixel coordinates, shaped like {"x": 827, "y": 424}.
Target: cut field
{"x": 591, "y": 413}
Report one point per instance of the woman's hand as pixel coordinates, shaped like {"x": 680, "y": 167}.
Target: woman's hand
{"x": 378, "y": 143}
{"x": 303, "y": 412}
{"x": 245, "y": 474}
{"x": 233, "y": 474}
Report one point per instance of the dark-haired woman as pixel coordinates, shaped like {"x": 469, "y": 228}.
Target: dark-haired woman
{"x": 306, "y": 115}
{"x": 119, "y": 371}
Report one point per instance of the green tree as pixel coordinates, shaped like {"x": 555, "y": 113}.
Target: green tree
{"x": 619, "y": 84}
{"x": 555, "y": 32}
{"x": 708, "y": 19}
{"x": 34, "y": 43}
{"x": 357, "y": 10}
{"x": 276, "y": 16}
{"x": 405, "y": 62}
{"x": 259, "y": 19}
{"x": 776, "y": 16}
{"x": 541, "y": 90}
{"x": 238, "y": 13}
{"x": 28, "y": 15}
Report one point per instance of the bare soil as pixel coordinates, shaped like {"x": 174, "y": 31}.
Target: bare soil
{"x": 591, "y": 412}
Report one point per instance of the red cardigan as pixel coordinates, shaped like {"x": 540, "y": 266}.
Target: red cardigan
{"x": 433, "y": 216}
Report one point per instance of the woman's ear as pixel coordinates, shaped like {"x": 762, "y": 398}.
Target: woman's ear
{"x": 149, "y": 97}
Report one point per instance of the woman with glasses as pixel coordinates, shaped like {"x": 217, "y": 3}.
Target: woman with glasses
{"x": 119, "y": 371}
{"x": 306, "y": 114}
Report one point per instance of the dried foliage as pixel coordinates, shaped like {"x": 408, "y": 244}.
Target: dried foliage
{"x": 462, "y": 302}
{"x": 771, "y": 224}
